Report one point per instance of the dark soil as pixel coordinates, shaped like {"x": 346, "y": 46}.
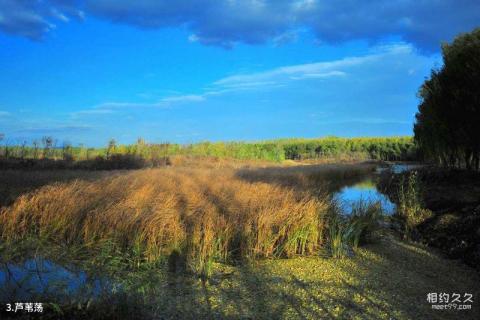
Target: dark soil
{"x": 454, "y": 198}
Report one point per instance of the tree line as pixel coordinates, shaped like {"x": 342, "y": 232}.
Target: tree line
{"x": 447, "y": 127}
{"x": 381, "y": 148}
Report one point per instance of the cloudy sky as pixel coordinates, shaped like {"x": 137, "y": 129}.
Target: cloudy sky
{"x": 186, "y": 71}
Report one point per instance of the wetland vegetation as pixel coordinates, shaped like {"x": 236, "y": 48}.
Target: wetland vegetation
{"x": 210, "y": 238}
{"x": 283, "y": 229}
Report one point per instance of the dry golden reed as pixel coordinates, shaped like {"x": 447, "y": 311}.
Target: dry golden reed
{"x": 204, "y": 214}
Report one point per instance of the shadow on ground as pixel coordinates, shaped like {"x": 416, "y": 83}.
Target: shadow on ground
{"x": 388, "y": 280}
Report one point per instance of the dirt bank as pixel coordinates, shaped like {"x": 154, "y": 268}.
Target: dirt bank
{"x": 454, "y": 198}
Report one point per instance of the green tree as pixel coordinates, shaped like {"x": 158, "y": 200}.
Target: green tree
{"x": 447, "y": 127}
{"x": 67, "y": 151}
{"x": 112, "y": 145}
{"x": 35, "y": 145}
{"x": 47, "y": 143}
{"x": 2, "y": 136}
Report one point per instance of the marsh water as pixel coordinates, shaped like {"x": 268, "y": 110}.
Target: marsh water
{"x": 366, "y": 189}
{"x": 37, "y": 277}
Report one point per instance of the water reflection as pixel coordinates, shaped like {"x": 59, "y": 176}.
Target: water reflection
{"x": 40, "y": 277}
{"x": 397, "y": 168}
{"x": 366, "y": 191}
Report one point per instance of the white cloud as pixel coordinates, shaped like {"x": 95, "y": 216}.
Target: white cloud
{"x": 93, "y": 112}
{"x": 295, "y": 72}
{"x": 182, "y": 99}
{"x": 226, "y": 22}
{"x": 54, "y": 129}
{"x": 32, "y": 19}
{"x": 317, "y": 70}
{"x": 108, "y": 108}
{"x": 284, "y": 38}
{"x": 320, "y": 75}
{"x": 266, "y": 80}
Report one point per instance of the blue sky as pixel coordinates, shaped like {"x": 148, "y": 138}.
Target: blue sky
{"x": 187, "y": 71}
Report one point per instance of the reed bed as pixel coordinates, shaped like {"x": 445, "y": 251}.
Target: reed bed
{"x": 195, "y": 214}
{"x": 14, "y": 183}
{"x": 310, "y": 178}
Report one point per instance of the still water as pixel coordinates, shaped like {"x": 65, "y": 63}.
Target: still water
{"x": 366, "y": 189}
{"x": 43, "y": 278}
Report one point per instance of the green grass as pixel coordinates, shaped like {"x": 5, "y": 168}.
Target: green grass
{"x": 347, "y": 231}
{"x": 361, "y": 148}
{"x": 411, "y": 211}
{"x": 386, "y": 280}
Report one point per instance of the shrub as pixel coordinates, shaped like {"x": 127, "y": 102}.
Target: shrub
{"x": 367, "y": 217}
{"x": 361, "y": 226}
{"x": 410, "y": 209}
{"x": 340, "y": 236}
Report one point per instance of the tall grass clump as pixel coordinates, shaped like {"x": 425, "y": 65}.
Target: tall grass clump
{"x": 347, "y": 231}
{"x": 198, "y": 215}
{"x": 340, "y": 236}
{"x": 367, "y": 216}
{"x": 410, "y": 210}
